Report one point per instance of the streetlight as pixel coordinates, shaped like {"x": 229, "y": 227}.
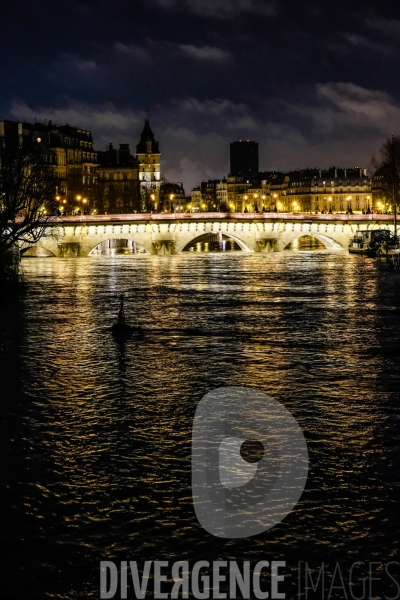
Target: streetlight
{"x": 368, "y": 207}
{"x": 78, "y": 198}
{"x": 330, "y": 204}
{"x": 84, "y": 202}
{"x": 245, "y": 199}
{"x": 349, "y": 211}
{"x": 263, "y": 198}
{"x": 152, "y": 196}
{"x": 171, "y": 197}
{"x": 275, "y": 197}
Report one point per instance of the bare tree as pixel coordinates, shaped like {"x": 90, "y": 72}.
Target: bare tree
{"x": 27, "y": 200}
{"x": 382, "y": 170}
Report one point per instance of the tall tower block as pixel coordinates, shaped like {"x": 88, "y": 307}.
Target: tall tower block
{"x": 244, "y": 159}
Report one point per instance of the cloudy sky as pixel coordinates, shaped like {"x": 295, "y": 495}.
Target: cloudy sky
{"x": 316, "y": 84}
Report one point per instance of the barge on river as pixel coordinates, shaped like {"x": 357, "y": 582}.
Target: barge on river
{"x": 368, "y": 241}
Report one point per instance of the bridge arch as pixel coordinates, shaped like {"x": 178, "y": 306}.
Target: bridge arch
{"x": 142, "y": 240}
{"x": 329, "y": 242}
{"x": 216, "y": 241}
{"x": 36, "y": 252}
{"x": 113, "y": 246}
{"x": 192, "y": 237}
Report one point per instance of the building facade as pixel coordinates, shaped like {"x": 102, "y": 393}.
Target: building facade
{"x": 172, "y": 197}
{"x": 329, "y": 191}
{"x": 69, "y": 150}
{"x": 221, "y": 191}
{"x": 236, "y": 187}
{"x": 118, "y": 181}
{"x": 305, "y": 191}
{"x": 90, "y": 181}
{"x": 196, "y": 198}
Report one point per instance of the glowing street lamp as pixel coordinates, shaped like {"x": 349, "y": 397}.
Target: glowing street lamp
{"x": 330, "y": 203}
{"x": 171, "y": 197}
{"x": 255, "y": 196}
{"x": 349, "y": 211}
{"x": 263, "y": 200}
{"x": 78, "y": 199}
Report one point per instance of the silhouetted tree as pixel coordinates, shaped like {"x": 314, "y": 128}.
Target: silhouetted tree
{"x": 27, "y": 202}
{"x": 224, "y": 207}
{"x": 381, "y": 168}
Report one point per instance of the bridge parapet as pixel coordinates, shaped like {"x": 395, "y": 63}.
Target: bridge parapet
{"x": 217, "y": 216}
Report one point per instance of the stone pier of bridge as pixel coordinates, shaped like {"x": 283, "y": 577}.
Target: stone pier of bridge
{"x": 168, "y": 234}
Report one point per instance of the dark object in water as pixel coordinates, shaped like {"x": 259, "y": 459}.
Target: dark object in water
{"x": 122, "y": 328}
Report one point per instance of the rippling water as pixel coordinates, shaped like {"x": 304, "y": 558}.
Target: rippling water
{"x": 97, "y": 432}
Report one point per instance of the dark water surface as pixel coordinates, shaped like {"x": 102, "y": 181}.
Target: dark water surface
{"x": 97, "y": 433}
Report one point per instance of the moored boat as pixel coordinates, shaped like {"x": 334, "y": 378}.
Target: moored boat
{"x": 389, "y": 249}
{"x": 368, "y": 241}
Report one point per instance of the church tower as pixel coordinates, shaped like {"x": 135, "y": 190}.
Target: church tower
{"x": 148, "y": 155}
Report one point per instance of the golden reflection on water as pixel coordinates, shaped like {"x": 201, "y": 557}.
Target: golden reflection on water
{"x": 106, "y": 424}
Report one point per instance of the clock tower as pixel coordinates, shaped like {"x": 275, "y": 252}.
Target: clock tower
{"x": 148, "y": 155}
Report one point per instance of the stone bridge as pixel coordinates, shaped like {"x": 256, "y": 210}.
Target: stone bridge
{"x": 165, "y": 234}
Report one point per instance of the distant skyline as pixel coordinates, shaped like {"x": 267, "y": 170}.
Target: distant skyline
{"x": 314, "y": 87}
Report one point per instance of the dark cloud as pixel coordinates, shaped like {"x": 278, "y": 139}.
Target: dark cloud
{"x": 204, "y": 52}
{"x": 312, "y": 86}
{"x": 388, "y": 27}
{"x": 221, "y": 9}
{"x": 138, "y": 53}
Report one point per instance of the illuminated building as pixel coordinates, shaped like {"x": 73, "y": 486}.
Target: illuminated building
{"x": 69, "y": 150}
{"x": 118, "y": 181}
{"x": 172, "y": 197}
{"x": 148, "y": 155}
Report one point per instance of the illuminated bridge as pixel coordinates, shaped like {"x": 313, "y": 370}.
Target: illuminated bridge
{"x": 166, "y": 234}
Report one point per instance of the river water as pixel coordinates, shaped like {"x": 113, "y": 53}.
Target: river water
{"x": 97, "y": 432}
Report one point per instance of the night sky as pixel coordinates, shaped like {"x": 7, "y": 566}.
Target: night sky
{"x": 316, "y": 84}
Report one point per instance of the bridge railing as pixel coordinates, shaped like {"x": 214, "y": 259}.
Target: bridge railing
{"x": 212, "y": 216}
